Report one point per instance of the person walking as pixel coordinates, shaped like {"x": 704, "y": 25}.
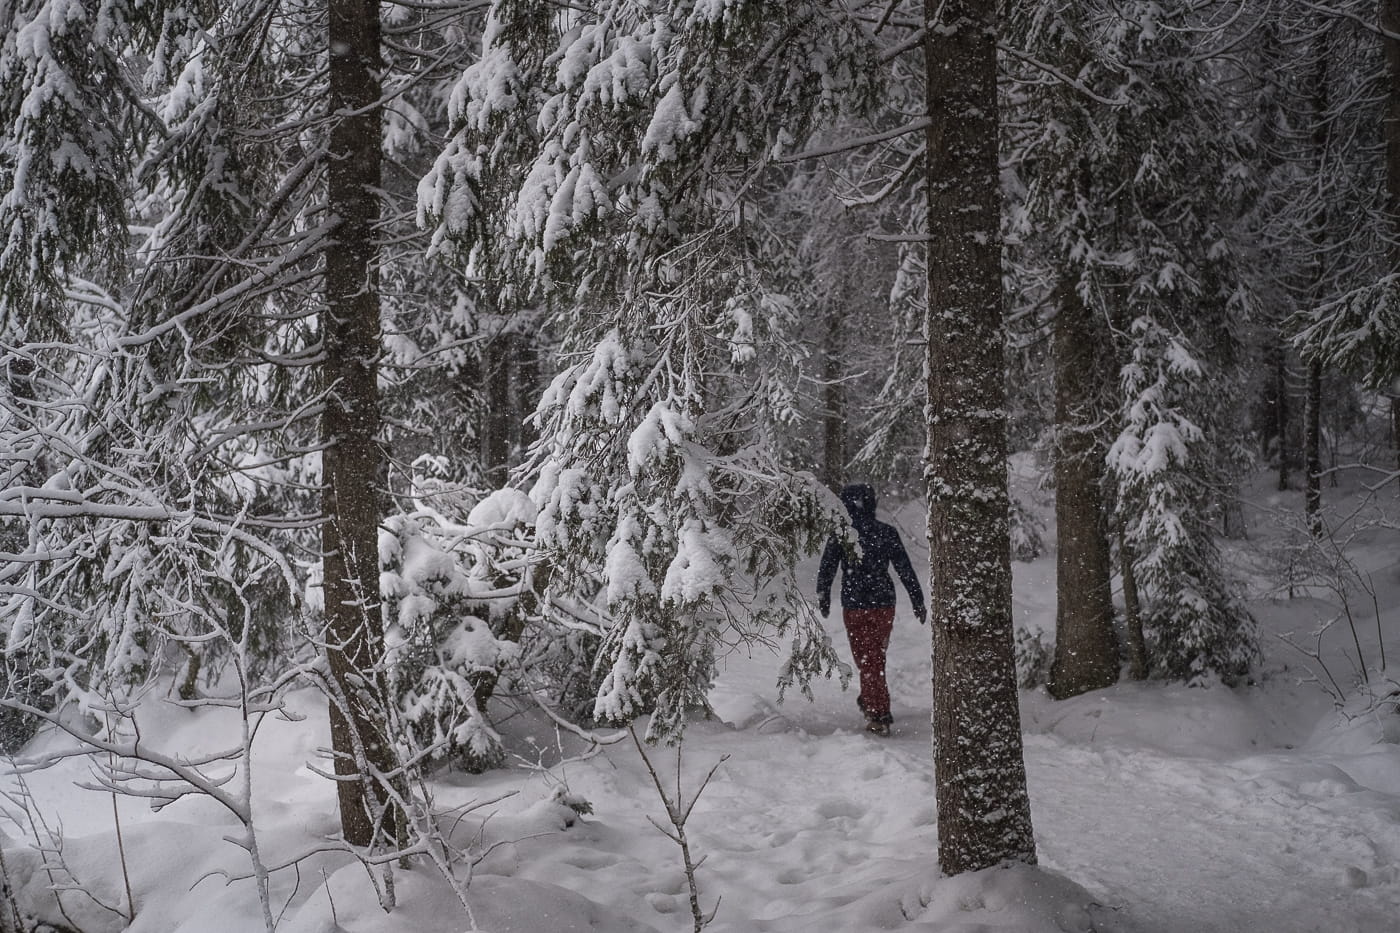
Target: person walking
{"x": 868, "y": 597}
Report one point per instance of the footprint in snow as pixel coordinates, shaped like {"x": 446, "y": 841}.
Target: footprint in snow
{"x": 835, "y": 808}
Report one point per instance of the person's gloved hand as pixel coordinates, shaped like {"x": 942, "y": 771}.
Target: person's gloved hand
{"x": 920, "y": 613}
{"x": 824, "y": 604}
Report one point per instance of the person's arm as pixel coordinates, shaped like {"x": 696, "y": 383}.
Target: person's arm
{"x": 831, "y": 559}
{"x": 905, "y": 569}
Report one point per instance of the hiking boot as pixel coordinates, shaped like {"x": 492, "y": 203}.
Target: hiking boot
{"x": 877, "y": 728}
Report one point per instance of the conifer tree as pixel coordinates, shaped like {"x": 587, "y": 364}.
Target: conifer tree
{"x": 600, "y": 162}
{"x": 1120, "y": 219}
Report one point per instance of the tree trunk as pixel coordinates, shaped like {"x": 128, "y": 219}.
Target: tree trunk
{"x": 526, "y": 391}
{"x": 352, "y": 459}
{"x": 1280, "y": 411}
{"x": 833, "y": 405}
{"x": 983, "y": 807}
{"x": 1132, "y": 608}
{"x": 1312, "y": 405}
{"x": 500, "y": 410}
{"x": 1086, "y": 649}
{"x": 1312, "y": 450}
{"x": 1395, "y": 432}
{"x": 1390, "y": 24}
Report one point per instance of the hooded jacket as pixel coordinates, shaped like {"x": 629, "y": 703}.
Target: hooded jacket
{"x": 865, "y": 578}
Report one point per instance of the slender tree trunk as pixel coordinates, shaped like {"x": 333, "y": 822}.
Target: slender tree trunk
{"x": 526, "y": 392}
{"x": 501, "y": 408}
{"x": 1132, "y": 607}
{"x": 833, "y": 405}
{"x": 983, "y": 807}
{"x": 1312, "y": 405}
{"x": 352, "y": 460}
{"x": 1395, "y": 432}
{"x": 1312, "y": 449}
{"x": 1390, "y": 24}
{"x": 1280, "y": 412}
{"x": 1086, "y": 649}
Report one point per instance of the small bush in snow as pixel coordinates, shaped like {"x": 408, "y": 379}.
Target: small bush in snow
{"x": 1034, "y": 652}
{"x": 1027, "y": 533}
{"x": 457, "y": 600}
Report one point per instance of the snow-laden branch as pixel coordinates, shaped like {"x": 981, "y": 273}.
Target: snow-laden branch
{"x": 1060, "y": 76}
{"x": 859, "y": 142}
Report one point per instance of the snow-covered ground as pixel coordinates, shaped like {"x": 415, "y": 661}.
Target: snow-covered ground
{"x": 1157, "y": 807}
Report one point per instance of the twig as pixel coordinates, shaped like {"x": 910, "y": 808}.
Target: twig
{"x": 678, "y": 812}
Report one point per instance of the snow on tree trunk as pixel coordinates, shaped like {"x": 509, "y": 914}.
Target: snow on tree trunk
{"x": 350, "y": 425}
{"x": 1086, "y": 649}
{"x": 983, "y": 807}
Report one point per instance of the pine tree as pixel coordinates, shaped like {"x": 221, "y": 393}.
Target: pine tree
{"x": 1120, "y": 220}
{"x": 600, "y": 164}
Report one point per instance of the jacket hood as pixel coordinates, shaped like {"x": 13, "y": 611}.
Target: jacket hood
{"x": 859, "y": 499}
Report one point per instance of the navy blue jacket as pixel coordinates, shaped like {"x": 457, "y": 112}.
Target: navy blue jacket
{"x": 865, "y": 581}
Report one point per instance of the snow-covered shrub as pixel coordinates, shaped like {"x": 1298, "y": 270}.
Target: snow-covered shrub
{"x": 457, "y": 599}
{"x": 1034, "y": 652}
{"x": 1027, "y": 531}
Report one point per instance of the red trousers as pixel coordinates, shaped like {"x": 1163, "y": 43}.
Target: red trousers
{"x": 869, "y": 632}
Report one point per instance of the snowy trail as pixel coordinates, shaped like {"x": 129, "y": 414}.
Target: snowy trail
{"x": 1170, "y": 845}
{"x": 1182, "y": 810}
{"x": 809, "y": 817}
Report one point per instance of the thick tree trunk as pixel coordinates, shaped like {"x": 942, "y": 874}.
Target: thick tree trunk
{"x": 1312, "y": 450}
{"x": 983, "y": 808}
{"x": 1086, "y": 649}
{"x": 352, "y": 459}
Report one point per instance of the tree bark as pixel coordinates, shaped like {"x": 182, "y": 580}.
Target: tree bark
{"x": 1395, "y": 431}
{"x": 1312, "y": 450}
{"x": 352, "y": 459}
{"x": 983, "y": 807}
{"x": 1086, "y": 648}
{"x": 833, "y": 406}
{"x": 1132, "y": 608}
{"x": 1390, "y": 24}
{"x": 1312, "y": 404}
{"x": 500, "y": 409}
{"x": 1280, "y": 411}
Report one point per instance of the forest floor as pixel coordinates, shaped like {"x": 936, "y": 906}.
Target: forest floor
{"x": 1158, "y": 808}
